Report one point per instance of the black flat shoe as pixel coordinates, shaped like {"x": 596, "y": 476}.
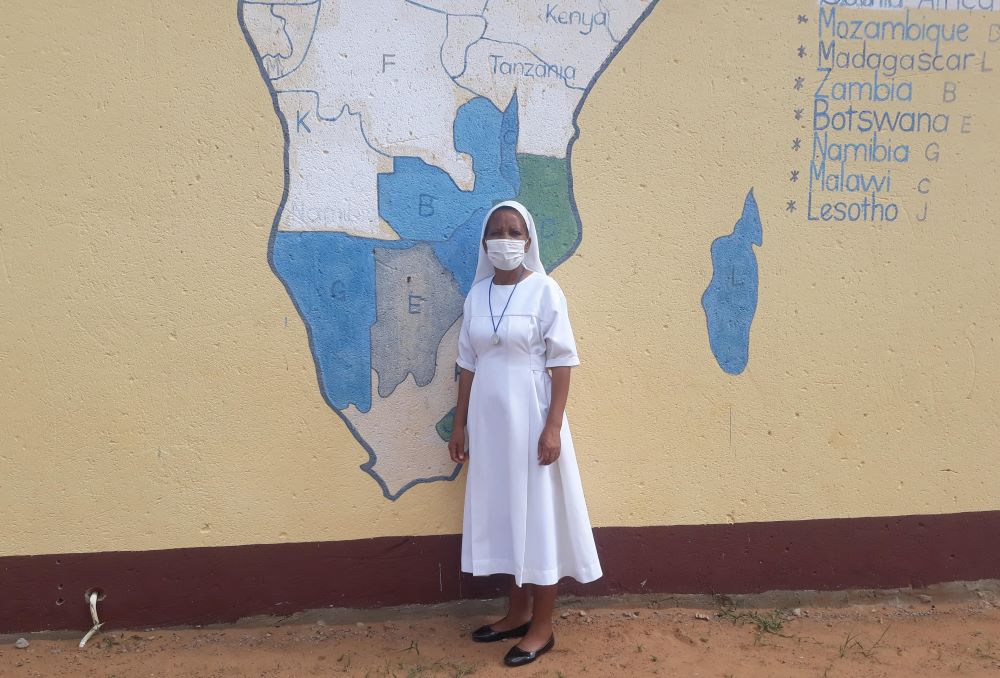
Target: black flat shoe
{"x": 486, "y": 633}
{"x": 517, "y": 657}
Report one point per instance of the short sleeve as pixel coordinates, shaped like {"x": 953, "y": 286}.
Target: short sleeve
{"x": 466, "y": 354}
{"x": 560, "y": 345}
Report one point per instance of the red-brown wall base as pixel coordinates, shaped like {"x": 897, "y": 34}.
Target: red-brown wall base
{"x": 205, "y": 585}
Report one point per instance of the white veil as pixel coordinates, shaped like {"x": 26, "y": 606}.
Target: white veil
{"x": 532, "y": 259}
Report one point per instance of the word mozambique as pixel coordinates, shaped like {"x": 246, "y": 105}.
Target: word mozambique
{"x": 891, "y": 29}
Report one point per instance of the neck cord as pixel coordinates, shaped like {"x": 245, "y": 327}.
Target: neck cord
{"x": 496, "y": 325}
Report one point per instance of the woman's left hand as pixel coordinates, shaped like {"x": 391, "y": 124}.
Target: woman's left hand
{"x": 549, "y": 444}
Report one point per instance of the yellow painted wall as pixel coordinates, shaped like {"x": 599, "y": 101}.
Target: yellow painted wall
{"x": 155, "y": 396}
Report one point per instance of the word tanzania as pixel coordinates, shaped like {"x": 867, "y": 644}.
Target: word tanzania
{"x": 531, "y": 69}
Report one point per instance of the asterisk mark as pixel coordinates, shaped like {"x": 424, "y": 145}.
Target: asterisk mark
{"x": 791, "y": 206}
{"x": 795, "y": 175}
{"x": 796, "y": 144}
{"x": 798, "y": 113}
{"x": 802, "y": 51}
{"x": 803, "y": 19}
{"x": 799, "y": 82}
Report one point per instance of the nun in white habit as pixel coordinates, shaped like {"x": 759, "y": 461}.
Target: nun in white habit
{"x": 525, "y": 512}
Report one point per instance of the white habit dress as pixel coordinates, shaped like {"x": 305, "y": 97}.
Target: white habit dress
{"x": 520, "y": 517}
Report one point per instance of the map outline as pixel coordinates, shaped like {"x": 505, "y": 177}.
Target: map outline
{"x": 273, "y": 92}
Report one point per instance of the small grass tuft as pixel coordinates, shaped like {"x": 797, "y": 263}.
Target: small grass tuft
{"x": 769, "y": 622}
{"x": 851, "y": 640}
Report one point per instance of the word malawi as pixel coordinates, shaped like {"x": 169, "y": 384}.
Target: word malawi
{"x": 575, "y": 18}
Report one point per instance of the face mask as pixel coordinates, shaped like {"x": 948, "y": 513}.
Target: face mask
{"x": 505, "y": 254}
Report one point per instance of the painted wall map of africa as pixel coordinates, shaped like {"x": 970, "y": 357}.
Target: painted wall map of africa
{"x": 404, "y": 123}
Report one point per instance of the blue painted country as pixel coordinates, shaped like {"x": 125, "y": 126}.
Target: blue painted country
{"x": 730, "y": 300}
{"x": 331, "y": 276}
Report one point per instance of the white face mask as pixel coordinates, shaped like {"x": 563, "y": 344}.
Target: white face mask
{"x": 505, "y": 254}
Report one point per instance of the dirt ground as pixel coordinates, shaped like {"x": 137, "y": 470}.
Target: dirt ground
{"x": 949, "y": 630}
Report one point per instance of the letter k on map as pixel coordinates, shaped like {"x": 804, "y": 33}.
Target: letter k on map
{"x": 404, "y": 122}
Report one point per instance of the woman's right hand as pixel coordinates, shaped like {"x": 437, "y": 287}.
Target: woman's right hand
{"x": 456, "y": 445}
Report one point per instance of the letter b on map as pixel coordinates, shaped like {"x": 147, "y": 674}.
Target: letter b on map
{"x": 426, "y": 206}
{"x": 994, "y": 33}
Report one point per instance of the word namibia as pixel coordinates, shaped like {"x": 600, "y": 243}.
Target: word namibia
{"x": 869, "y": 151}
